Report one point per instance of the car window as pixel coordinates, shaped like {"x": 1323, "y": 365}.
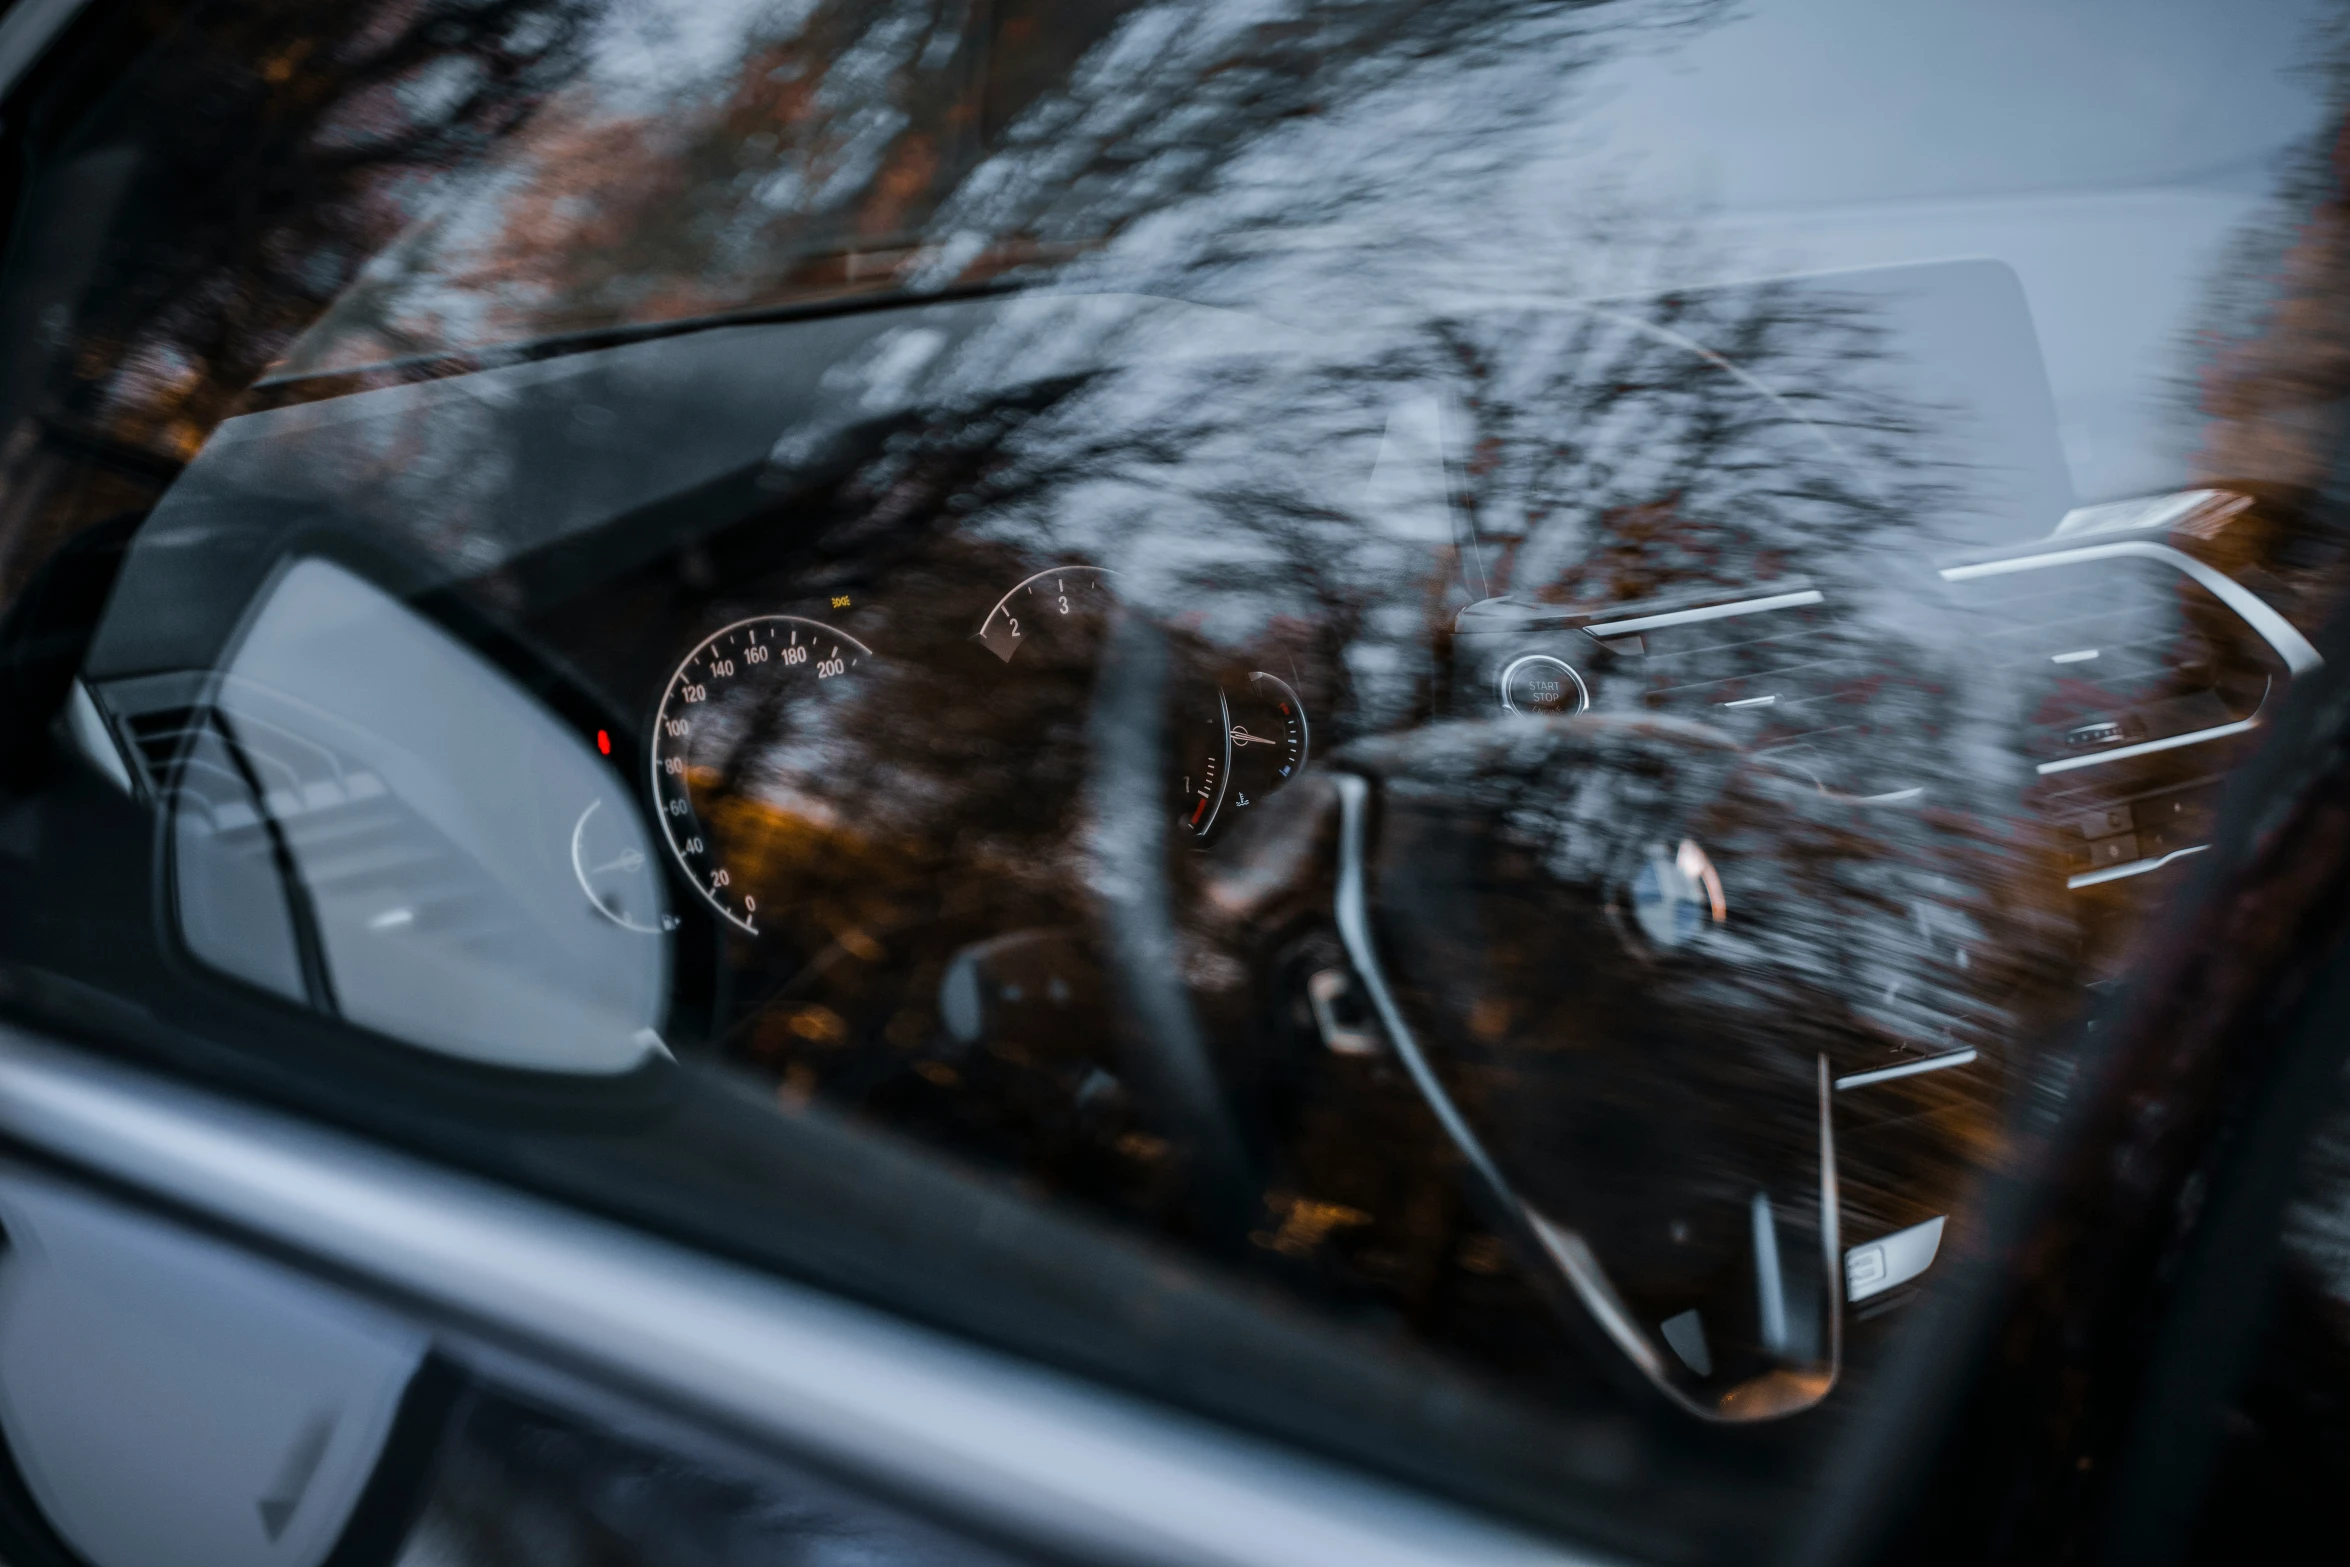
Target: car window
{"x": 516, "y": 1480}
{"x": 1411, "y": 723}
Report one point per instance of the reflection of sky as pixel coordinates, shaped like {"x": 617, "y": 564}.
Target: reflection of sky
{"x": 644, "y": 53}
{"x": 2105, "y": 150}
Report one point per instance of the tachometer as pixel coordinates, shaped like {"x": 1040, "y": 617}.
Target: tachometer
{"x": 743, "y": 719}
{"x": 1052, "y": 603}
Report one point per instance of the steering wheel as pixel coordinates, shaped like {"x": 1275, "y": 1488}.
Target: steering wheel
{"x": 1623, "y": 964}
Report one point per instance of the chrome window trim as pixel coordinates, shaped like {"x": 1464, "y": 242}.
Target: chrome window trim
{"x": 26, "y": 33}
{"x": 1000, "y": 1443}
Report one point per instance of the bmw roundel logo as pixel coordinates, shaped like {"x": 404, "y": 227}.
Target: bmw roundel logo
{"x": 1675, "y": 893}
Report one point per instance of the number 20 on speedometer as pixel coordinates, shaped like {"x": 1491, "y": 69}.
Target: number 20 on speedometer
{"x": 736, "y": 711}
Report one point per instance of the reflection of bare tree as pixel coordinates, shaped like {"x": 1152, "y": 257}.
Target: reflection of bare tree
{"x": 1712, "y": 440}
{"x": 297, "y": 139}
{"x": 926, "y": 142}
{"x": 1606, "y": 460}
{"x": 2271, "y": 366}
{"x": 629, "y": 200}
{"x": 1581, "y": 455}
{"x": 2271, "y": 352}
{"x": 2271, "y": 385}
{"x": 1319, "y": 177}
{"x": 1713, "y": 443}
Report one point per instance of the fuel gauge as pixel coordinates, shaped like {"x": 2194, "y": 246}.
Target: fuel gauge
{"x": 616, "y": 873}
{"x": 1204, "y": 748}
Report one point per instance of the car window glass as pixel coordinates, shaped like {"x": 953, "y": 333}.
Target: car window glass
{"x": 513, "y": 1479}
{"x": 1412, "y": 722}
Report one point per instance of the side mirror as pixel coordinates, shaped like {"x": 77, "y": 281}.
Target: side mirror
{"x": 368, "y": 817}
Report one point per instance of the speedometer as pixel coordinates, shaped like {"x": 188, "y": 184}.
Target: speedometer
{"x": 744, "y": 718}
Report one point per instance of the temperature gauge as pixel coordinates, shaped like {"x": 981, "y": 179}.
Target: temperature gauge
{"x": 1237, "y": 747}
{"x": 1270, "y": 743}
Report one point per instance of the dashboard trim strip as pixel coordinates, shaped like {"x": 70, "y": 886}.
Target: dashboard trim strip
{"x": 1688, "y": 617}
{"x": 1886, "y": 1074}
{"x": 2273, "y": 628}
{"x": 2132, "y": 868}
{"x": 2122, "y": 753}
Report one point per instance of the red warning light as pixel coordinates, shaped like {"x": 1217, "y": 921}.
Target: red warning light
{"x": 604, "y": 742}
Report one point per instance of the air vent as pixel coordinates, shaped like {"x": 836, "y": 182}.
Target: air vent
{"x": 158, "y": 738}
{"x": 239, "y": 780}
{"x": 2138, "y": 681}
{"x": 2133, "y": 678}
{"x": 1779, "y": 672}
{"x": 193, "y": 751}
{"x": 1776, "y": 666}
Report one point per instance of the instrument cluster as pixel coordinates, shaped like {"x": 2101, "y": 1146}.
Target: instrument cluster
{"x": 765, "y": 732}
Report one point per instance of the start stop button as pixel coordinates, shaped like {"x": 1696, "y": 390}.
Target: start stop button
{"x": 1539, "y": 683}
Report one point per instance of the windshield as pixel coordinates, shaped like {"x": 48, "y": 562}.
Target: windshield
{"x": 1414, "y": 723}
